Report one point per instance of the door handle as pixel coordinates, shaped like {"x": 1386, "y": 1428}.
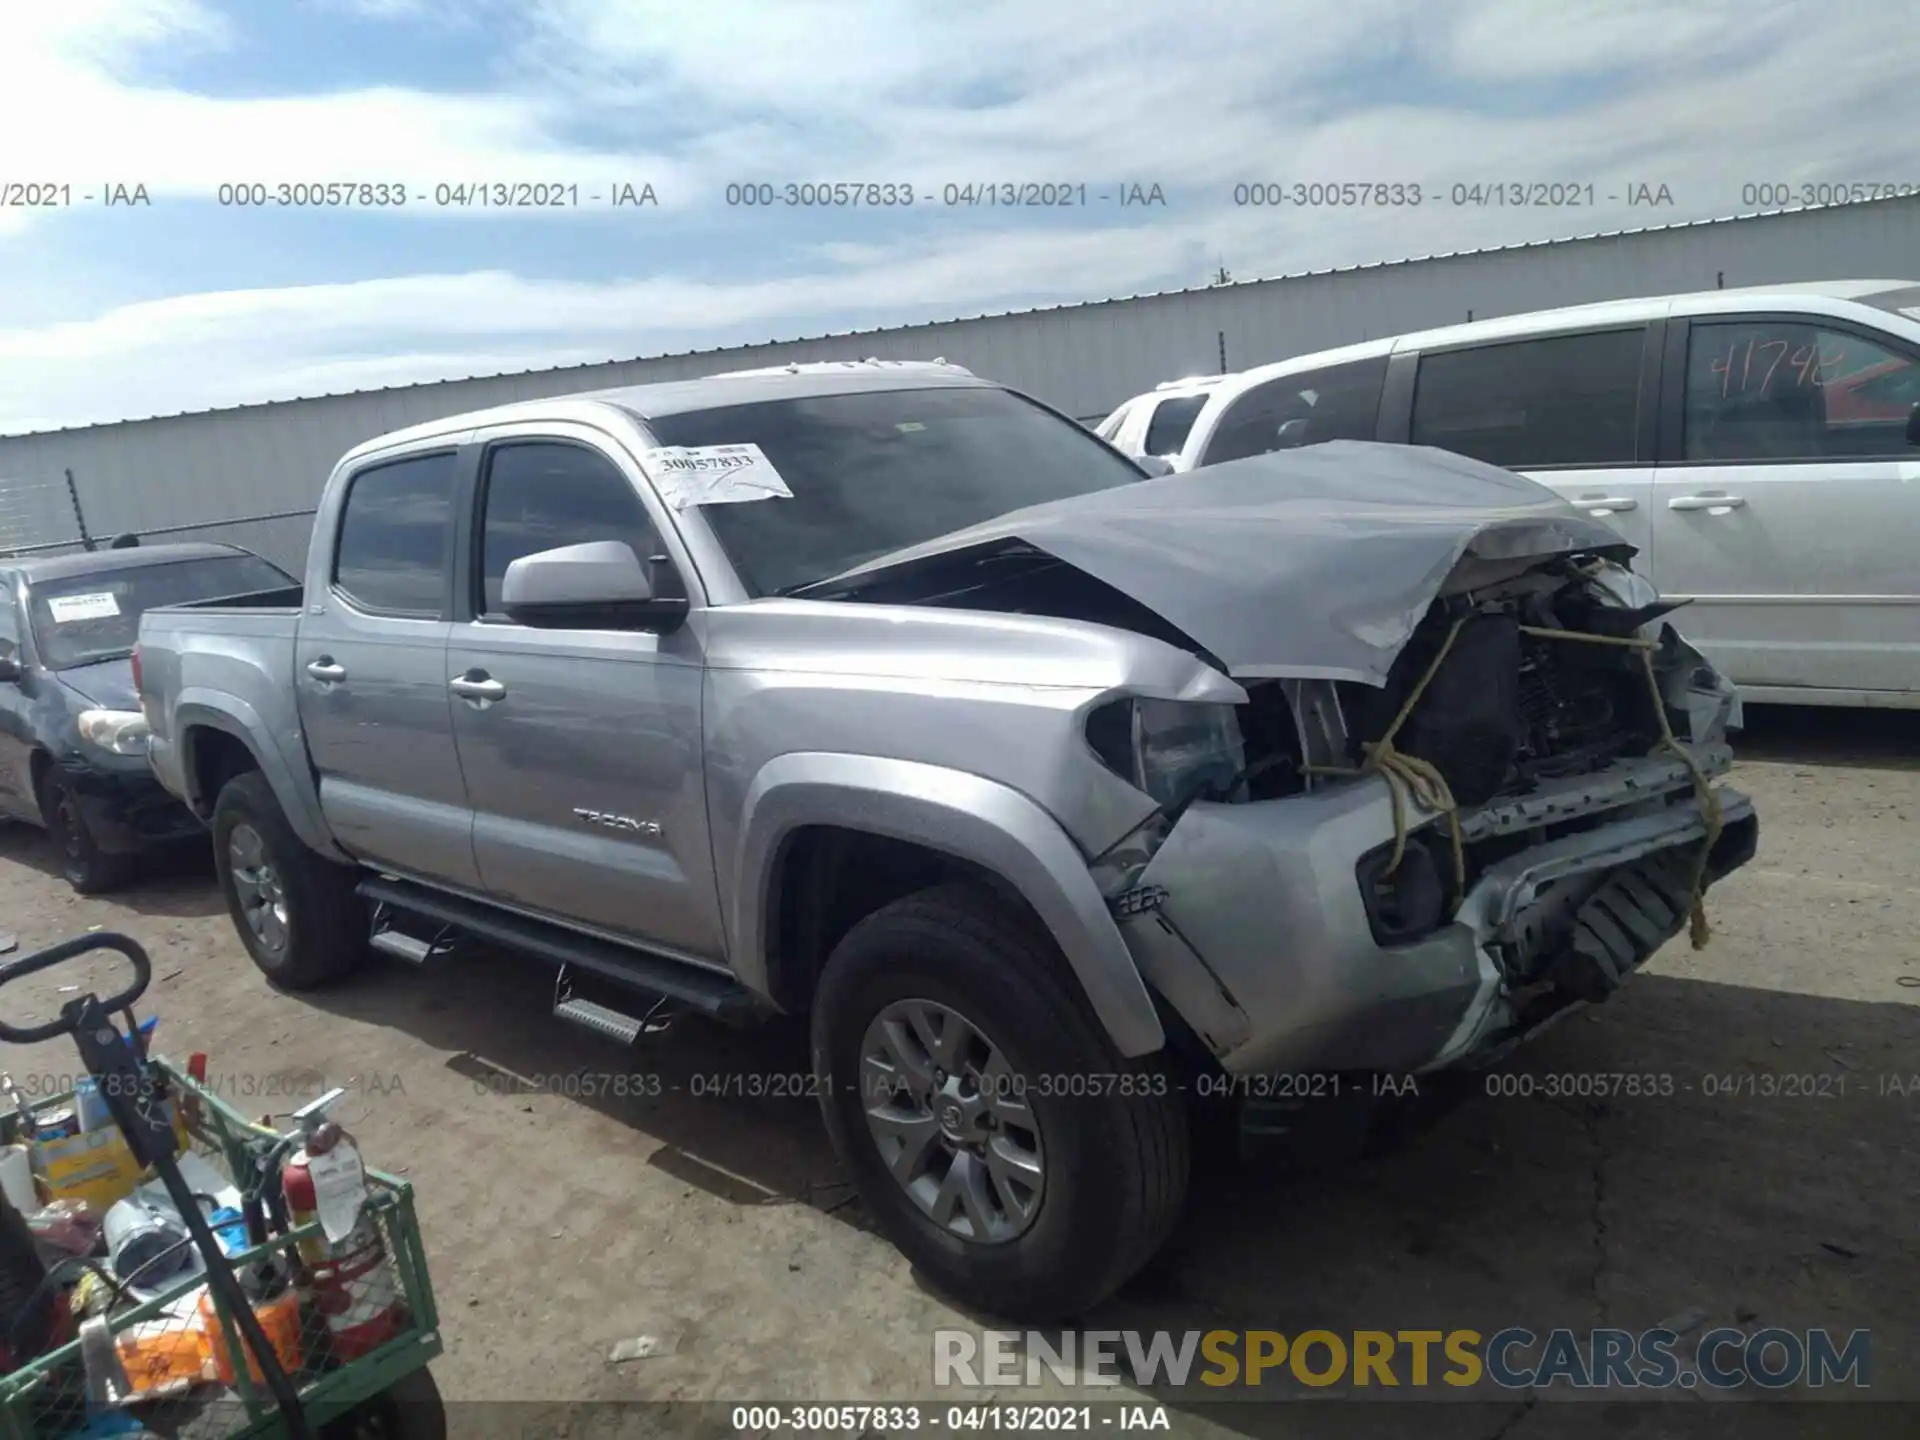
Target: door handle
{"x": 1718, "y": 504}
{"x": 477, "y": 687}
{"x": 325, "y": 671}
{"x": 1606, "y": 504}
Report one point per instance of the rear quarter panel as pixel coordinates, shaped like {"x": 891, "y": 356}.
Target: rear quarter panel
{"x": 229, "y": 669}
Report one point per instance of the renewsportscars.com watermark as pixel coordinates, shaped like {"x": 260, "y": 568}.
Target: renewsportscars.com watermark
{"x": 1516, "y": 1358}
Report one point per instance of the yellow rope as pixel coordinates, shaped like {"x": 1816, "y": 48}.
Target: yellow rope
{"x": 1408, "y": 776}
{"x": 1698, "y": 930}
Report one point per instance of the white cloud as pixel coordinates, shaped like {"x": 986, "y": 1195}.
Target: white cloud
{"x": 80, "y": 61}
{"x": 1521, "y": 40}
{"x": 1702, "y": 96}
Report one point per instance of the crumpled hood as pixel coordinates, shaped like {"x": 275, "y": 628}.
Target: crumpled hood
{"x": 1308, "y": 563}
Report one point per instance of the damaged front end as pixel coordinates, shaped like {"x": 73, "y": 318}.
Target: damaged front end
{"x": 1465, "y": 785}
{"x": 1298, "y": 924}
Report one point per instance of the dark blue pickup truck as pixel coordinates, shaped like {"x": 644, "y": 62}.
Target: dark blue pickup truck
{"x": 73, "y": 741}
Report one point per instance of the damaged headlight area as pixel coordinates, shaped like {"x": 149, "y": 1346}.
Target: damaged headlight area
{"x": 1174, "y": 750}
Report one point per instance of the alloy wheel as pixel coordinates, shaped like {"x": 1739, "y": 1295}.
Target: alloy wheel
{"x": 952, "y": 1121}
{"x": 256, "y": 885}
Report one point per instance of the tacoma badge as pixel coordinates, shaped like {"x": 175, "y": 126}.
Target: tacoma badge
{"x": 619, "y": 822}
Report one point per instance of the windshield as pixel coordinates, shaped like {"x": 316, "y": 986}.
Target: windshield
{"x": 875, "y": 472}
{"x": 83, "y": 619}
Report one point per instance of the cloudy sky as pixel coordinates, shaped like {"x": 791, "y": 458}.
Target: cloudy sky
{"x": 112, "y": 311}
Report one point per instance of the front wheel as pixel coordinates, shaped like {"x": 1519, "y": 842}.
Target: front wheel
{"x": 295, "y": 911}
{"x": 84, "y": 865}
{"x": 990, "y": 1127}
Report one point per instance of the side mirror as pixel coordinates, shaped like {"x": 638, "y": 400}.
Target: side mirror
{"x": 9, "y": 667}
{"x": 601, "y": 585}
{"x": 1155, "y": 465}
{"x": 1913, "y": 426}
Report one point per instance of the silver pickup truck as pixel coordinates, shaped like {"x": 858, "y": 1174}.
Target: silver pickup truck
{"x": 1061, "y": 797}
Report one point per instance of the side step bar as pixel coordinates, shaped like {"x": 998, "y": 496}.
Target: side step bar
{"x": 401, "y": 946}
{"x": 702, "y": 992}
{"x": 611, "y": 1024}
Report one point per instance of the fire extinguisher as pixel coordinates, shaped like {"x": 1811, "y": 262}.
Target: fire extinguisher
{"x": 354, "y": 1284}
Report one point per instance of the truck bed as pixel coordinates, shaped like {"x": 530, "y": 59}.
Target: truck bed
{"x": 233, "y": 655}
{"x": 287, "y": 597}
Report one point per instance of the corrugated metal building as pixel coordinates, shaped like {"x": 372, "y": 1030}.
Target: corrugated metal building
{"x": 195, "y": 474}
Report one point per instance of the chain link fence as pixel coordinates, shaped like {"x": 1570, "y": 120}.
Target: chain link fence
{"x": 39, "y": 516}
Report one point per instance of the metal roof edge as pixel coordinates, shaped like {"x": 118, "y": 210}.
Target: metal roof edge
{"x": 1885, "y": 200}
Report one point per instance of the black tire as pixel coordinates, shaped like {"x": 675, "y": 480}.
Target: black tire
{"x": 83, "y": 864}
{"x": 325, "y": 926}
{"x": 408, "y": 1409}
{"x": 1116, "y": 1157}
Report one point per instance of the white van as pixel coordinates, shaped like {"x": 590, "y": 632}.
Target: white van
{"x": 1158, "y": 422}
{"x": 1760, "y": 447}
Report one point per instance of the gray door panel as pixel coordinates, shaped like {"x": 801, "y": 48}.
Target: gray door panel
{"x": 581, "y": 748}
{"x": 585, "y": 777}
{"x": 381, "y": 739}
{"x": 370, "y": 670}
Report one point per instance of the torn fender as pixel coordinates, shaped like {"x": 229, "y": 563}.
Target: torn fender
{"x": 1314, "y": 563}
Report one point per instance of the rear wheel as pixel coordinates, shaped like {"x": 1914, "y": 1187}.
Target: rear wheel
{"x": 85, "y": 866}
{"x": 990, "y": 1127}
{"x": 295, "y": 911}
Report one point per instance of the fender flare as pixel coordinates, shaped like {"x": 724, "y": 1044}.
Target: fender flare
{"x": 971, "y": 818}
{"x": 299, "y": 798}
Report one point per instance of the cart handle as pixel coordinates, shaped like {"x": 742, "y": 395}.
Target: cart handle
{"x": 67, "y": 950}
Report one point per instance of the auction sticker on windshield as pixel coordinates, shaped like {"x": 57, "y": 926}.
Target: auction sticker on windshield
{"x": 67, "y": 608}
{"x": 689, "y": 475}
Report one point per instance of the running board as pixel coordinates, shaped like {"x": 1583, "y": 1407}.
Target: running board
{"x": 690, "y": 988}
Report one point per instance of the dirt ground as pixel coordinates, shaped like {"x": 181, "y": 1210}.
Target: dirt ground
{"x": 559, "y": 1222}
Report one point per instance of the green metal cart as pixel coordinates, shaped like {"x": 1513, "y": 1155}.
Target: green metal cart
{"x": 176, "y": 1344}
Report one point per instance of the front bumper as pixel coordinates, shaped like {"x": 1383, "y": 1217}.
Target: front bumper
{"x": 125, "y": 807}
{"x": 1261, "y": 941}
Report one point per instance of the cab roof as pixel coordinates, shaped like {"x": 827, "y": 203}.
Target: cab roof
{"x": 708, "y": 392}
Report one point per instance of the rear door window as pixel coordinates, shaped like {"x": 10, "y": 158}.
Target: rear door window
{"x": 1569, "y": 400}
{"x": 395, "y": 537}
{"x": 1339, "y": 402}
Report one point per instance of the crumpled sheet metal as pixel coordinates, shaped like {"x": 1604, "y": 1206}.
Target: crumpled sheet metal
{"x": 1314, "y": 563}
